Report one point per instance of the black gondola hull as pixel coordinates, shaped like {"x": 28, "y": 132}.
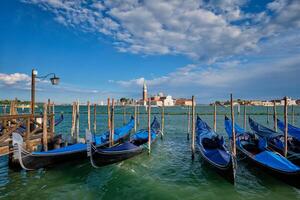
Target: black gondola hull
{"x": 289, "y": 178}
{"x": 36, "y": 161}
{"x": 32, "y": 161}
{"x": 102, "y": 158}
{"x": 226, "y": 171}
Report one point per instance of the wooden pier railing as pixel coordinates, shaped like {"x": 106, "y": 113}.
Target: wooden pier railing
{"x": 33, "y": 134}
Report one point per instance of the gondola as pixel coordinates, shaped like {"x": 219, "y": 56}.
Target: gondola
{"x": 293, "y": 131}
{"x": 255, "y": 151}
{"x": 275, "y": 141}
{"x": 213, "y": 150}
{"x": 138, "y": 143}
{"x": 73, "y": 152}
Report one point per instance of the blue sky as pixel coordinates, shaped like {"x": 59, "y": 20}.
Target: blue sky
{"x": 206, "y": 48}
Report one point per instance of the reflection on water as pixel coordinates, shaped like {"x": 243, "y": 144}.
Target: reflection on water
{"x": 168, "y": 173}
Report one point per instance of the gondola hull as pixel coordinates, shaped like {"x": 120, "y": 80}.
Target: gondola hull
{"x": 257, "y": 153}
{"x": 270, "y": 136}
{"x": 137, "y": 144}
{"x": 103, "y": 158}
{"x": 31, "y": 161}
{"x": 213, "y": 150}
{"x": 226, "y": 171}
{"x": 291, "y": 178}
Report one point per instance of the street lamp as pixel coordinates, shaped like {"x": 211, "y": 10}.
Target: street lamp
{"x": 54, "y": 81}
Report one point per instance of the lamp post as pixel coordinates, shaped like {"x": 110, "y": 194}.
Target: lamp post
{"x": 54, "y": 81}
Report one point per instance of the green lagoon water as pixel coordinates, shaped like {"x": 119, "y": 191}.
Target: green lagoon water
{"x": 168, "y": 173}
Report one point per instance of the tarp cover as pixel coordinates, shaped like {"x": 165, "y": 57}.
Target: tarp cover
{"x": 292, "y": 130}
{"x": 261, "y": 130}
{"x": 215, "y": 152}
{"x": 118, "y": 133}
{"x": 70, "y": 148}
{"x": 228, "y": 128}
{"x": 143, "y": 135}
{"x": 100, "y": 139}
{"x": 276, "y": 161}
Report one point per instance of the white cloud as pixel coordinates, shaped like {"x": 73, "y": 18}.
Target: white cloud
{"x": 238, "y": 47}
{"x": 250, "y": 80}
{"x": 203, "y": 30}
{"x": 12, "y": 79}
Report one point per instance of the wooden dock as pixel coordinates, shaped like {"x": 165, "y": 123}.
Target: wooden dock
{"x": 34, "y": 133}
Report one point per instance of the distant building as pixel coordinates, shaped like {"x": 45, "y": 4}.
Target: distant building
{"x": 168, "y": 100}
{"x": 290, "y": 101}
{"x": 160, "y": 100}
{"x": 267, "y": 103}
{"x": 156, "y": 100}
{"x": 183, "y": 102}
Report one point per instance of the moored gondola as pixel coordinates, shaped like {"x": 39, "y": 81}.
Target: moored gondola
{"x": 256, "y": 151}
{"x": 73, "y": 152}
{"x": 213, "y": 150}
{"x": 275, "y": 141}
{"x": 292, "y": 130}
{"x": 138, "y": 143}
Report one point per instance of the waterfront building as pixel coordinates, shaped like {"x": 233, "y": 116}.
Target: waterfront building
{"x": 183, "y": 102}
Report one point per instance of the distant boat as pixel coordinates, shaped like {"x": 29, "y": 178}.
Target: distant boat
{"x": 213, "y": 150}
{"x": 138, "y": 143}
{"x": 275, "y": 141}
{"x": 41, "y": 159}
{"x": 256, "y": 151}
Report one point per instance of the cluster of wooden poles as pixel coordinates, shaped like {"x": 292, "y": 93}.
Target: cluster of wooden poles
{"x": 233, "y": 143}
{"x": 111, "y": 119}
{"x": 33, "y": 135}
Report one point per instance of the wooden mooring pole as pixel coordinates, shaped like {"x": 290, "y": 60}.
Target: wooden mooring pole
{"x": 162, "y": 119}
{"x": 293, "y": 115}
{"x": 124, "y": 114}
{"x": 45, "y": 134}
{"x": 108, "y": 114}
{"x": 112, "y": 120}
{"x": 27, "y": 136}
{"x": 275, "y": 116}
{"x": 233, "y": 143}
{"x": 285, "y": 127}
{"x": 52, "y": 122}
{"x": 215, "y": 117}
{"x": 77, "y": 121}
{"x": 138, "y": 115}
{"x": 268, "y": 120}
{"x": 95, "y": 118}
{"x": 233, "y": 139}
{"x": 193, "y": 127}
{"x": 245, "y": 117}
{"x": 89, "y": 115}
{"x": 73, "y": 120}
{"x": 149, "y": 126}
{"x": 188, "y": 123}
{"x": 49, "y": 106}
{"x": 135, "y": 108}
